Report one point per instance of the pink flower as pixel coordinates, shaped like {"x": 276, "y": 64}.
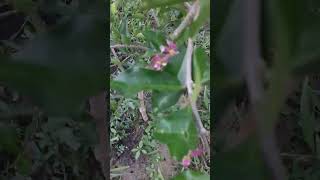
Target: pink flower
{"x": 170, "y": 49}
{"x": 159, "y": 61}
{"x": 186, "y": 161}
{"x": 171, "y": 45}
{"x": 197, "y": 152}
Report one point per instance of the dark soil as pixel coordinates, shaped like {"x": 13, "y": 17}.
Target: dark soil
{"x": 137, "y": 168}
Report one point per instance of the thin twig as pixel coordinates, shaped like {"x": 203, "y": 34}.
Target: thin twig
{"x": 188, "y": 56}
{"x": 129, "y": 46}
{"x": 116, "y": 56}
{"x": 114, "y": 53}
{"x": 122, "y": 61}
{"x": 189, "y": 83}
{"x": 187, "y": 5}
{"x": 192, "y": 13}
{"x": 254, "y": 79}
{"x": 19, "y": 31}
{"x": 125, "y": 59}
{"x": 142, "y": 107}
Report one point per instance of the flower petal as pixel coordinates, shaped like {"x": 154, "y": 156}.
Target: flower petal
{"x": 186, "y": 161}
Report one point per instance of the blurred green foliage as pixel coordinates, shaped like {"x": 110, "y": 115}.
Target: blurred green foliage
{"x": 48, "y": 69}
{"x": 288, "y": 49}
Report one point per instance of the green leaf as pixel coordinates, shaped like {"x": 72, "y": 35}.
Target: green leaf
{"x": 113, "y": 8}
{"x": 140, "y": 144}
{"x": 137, "y": 155}
{"x": 175, "y": 62}
{"x": 307, "y": 114}
{"x": 191, "y": 175}
{"x": 155, "y": 38}
{"x": 201, "y": 65}
{"x": 133, "y": 80}
{"x": 157, "y": 3}
{"x": 134, "y": 150}
{"x": 182, "y": 74}
{"x": 162, "y": 100}
{"x": 202, "y": 18}
{"x": 206, "y": 99}
{"x": 149, "y": 53}
{"x": 116, "y": 36}
{"x": 179, "y": 132}
{"x": 61, "y": 68}
{"x": 124, "y": 32}
{"x": 201, "y": 71}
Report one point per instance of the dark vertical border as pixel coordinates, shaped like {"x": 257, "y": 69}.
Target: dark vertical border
{"x": 212, "y": 35}
{"x": 107, "y": 14}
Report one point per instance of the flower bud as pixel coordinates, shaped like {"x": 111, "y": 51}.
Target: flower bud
{"x": 170, "y": 49}
{"x": 186, "y": 161}
{"x": 158, "y": 62}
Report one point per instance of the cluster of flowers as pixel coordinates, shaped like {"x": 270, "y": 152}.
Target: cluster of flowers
{"x": 159, "y": 61}
{"x": 186, "y": 161}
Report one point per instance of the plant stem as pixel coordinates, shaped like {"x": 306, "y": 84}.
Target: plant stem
{"x": 193, "y": 11}
{"x": 189, "y": 83}
{"x": 187, "y": 5}
{"x": 116, "y": 56}
{"x": 264, "y": 114}
{"x": 142, "y": 107}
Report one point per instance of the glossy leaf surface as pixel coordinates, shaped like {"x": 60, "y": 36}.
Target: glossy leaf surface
{"x": 61, "y": 68}
{"x": 179, "y": 132}
{"x": 192, "y": 175}
{"x": 136, "y": 79}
